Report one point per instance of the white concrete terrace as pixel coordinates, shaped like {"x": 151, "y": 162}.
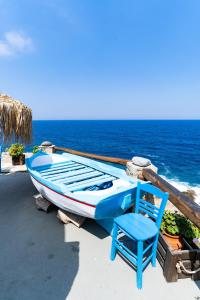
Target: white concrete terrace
{"x": 40, "y": 258}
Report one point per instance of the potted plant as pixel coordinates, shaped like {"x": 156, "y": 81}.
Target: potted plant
{"x": 175, "y": 227}
{"x": 16, "y": 152}
{"x": 170, "y": 228}
{"x": 189, "y": 231}
{"x": 35, "y": 149}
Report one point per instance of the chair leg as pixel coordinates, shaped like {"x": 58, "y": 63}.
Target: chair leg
{"x": 154, "y": 250}
{"x": 113, "y": 247}
{"x": 139, "y": 263}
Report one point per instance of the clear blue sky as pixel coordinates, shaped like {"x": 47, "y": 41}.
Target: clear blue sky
{"x": 89, "y": 59}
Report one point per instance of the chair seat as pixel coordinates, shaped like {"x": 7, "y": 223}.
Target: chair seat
{"x": 138, "y": 226}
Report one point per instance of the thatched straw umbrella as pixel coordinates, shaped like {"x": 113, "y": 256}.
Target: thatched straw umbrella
{"x": 15, "y": 120}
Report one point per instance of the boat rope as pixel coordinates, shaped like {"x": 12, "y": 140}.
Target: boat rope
{"x": 181, "y": 268}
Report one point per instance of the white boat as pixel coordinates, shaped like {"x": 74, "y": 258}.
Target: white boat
{"x": 82, "y": 186}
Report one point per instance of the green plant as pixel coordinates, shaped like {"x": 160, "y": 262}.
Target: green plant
{"x": 188, "y": 229}
{"x": 35, "y": 149}
{"x": 176, "y": 224}
{"x": 170, "y": 223}
{"x": 16, "y": 150}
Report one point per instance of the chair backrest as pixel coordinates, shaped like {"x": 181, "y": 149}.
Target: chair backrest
{"x": 143, "y": 206}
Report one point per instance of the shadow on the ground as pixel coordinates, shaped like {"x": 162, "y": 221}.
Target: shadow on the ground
{"x": 92, "y": 227}
{"x": 198, "y": 284}
{"x": 35, "y": 261}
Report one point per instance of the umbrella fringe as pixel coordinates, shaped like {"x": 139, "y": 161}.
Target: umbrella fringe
{"x": 15, "y": 120}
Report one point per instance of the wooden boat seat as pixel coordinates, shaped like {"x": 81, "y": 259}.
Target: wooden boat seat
{"x": 74, "y": 175}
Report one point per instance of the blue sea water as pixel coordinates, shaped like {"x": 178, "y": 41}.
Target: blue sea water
{"x": 173, "y": 146}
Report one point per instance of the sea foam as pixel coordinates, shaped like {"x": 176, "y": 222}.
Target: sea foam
{"x": 185, "y": 186}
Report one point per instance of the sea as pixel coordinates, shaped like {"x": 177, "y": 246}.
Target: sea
{"x": 172, "y": 145}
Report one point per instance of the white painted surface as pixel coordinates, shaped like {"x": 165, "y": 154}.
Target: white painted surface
{"x": 64, "y": 202}
{"x": 98, "y": 278}
{"x": 43, "y": 260}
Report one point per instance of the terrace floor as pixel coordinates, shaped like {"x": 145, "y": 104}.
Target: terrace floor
{"x": 43, "y": 259}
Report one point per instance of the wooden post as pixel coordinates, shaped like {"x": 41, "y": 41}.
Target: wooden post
{"x": 188, "y": 207}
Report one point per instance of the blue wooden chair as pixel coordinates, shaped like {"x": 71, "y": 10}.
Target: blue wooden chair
{"x": 142, "y": 227}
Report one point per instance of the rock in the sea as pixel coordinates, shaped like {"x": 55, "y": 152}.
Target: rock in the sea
{"x": 190, "y": 194}
{"x": 141, "y": 161}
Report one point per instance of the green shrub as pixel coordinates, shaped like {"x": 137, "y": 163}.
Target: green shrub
{"x": 16, "y": 150}
{"x": 170, "y": 223}
{"x": 176, "y": 224}
{"x": 188, "y": 229}
{"x": 35, "y": 149}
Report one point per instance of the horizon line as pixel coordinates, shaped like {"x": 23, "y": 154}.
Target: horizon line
{"x": 116, "y": 120}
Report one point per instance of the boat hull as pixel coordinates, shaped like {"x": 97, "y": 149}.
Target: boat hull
{"x": 62, "y": 180}
{"x": 64, "y": 202}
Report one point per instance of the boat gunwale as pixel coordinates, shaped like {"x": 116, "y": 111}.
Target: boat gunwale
{"x": 57, "y": 187}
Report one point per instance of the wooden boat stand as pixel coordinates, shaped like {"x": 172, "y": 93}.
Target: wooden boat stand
{"x": 42, "y": 203}
{"x": 64, "y": 216}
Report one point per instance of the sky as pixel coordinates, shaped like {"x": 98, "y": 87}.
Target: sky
{"x": 106, "y": 59}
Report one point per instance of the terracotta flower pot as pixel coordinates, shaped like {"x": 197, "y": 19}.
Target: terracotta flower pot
{"x": 173, "y": 240}
{"x": 18, "y": 160}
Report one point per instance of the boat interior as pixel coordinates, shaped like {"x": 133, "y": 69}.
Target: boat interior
{"x": 76, "y": 176}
